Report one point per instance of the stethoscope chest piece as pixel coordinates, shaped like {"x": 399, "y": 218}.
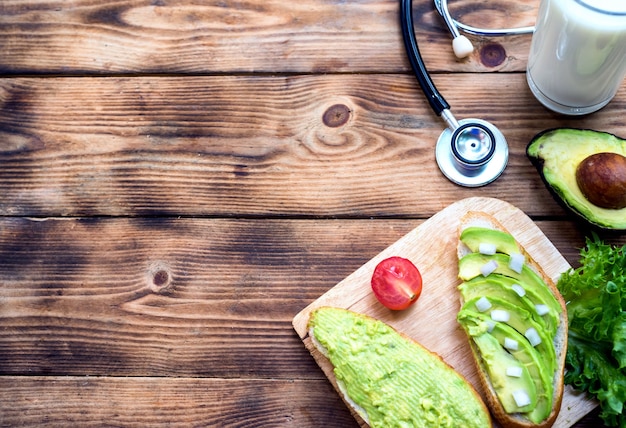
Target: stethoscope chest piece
{"x": 473, "y": 154}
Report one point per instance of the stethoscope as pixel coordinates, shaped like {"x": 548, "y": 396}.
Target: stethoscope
{"x": 469, "y": 152}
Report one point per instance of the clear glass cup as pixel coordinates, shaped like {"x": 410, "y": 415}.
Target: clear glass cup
{"x": 577, "y": 58}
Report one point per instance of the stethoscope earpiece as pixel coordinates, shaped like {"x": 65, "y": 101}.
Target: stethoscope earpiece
{"x": 462, "y": 47}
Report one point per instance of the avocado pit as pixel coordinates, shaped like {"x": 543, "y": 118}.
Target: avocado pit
{"x": 601, "y": 178}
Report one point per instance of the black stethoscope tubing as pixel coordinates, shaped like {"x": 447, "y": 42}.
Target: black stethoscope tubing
{"x": 435, "y": 99}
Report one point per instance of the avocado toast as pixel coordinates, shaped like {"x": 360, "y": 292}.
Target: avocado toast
{"x": 389, "y": 379}
{"x": 516, "y": 323}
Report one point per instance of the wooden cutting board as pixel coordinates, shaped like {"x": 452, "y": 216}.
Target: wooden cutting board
{"x": 431, "y": 321}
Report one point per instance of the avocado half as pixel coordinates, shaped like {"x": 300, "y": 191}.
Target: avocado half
{"x": 556, "y": 153}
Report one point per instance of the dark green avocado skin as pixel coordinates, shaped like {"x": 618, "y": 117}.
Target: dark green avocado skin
{"x": 557, "y": 152}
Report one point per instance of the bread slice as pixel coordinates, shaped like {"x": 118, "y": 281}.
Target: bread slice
{"x": 518, "y": 420}
{"x": 389, "y": 379}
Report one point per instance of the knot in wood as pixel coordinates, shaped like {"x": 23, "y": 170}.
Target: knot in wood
{"x": 159, "y": 277}
{"x": 336, "y": 115}
{"x": 492, "y": 54}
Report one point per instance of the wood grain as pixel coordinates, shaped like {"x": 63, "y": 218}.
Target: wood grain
{"x": 172, "y": 402}
{"x": 211, "y": 36}
{"x": 257, "y": 145}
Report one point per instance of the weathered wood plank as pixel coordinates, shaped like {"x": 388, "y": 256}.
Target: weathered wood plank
{"x": 252, "y": 146}
{"x": 173, "y": 402}
{"x": 178, "y": 297}
{"x": 145, "y": 36}
{"x": 168, "y": 297}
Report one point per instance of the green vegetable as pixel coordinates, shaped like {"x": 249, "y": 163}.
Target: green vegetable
{"x": 595, "y": 294}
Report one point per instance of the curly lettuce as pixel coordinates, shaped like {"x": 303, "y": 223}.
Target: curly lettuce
{"x": 595, "y": 294}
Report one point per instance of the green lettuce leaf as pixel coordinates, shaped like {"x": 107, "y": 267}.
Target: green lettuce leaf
{"x": 595, "y": 294}
{"x": 619, "y": 340}
{"x": 590, "y": 370}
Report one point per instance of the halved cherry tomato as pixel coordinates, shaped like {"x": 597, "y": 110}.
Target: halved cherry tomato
{"x": 397, "y": 283}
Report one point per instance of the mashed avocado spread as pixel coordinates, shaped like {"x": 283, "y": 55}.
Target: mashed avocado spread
{"x": 394, "y": 381}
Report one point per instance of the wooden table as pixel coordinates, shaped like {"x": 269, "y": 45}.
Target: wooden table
{"x": 180, "y": 178}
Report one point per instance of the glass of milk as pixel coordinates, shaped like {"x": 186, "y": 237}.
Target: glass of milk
{"x": 577, "y": 58}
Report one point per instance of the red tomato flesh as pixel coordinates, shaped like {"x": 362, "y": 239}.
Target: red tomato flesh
{"x": 397, "y": 283}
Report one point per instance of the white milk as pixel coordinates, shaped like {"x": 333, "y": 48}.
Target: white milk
{"x": 577, "y": 57}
